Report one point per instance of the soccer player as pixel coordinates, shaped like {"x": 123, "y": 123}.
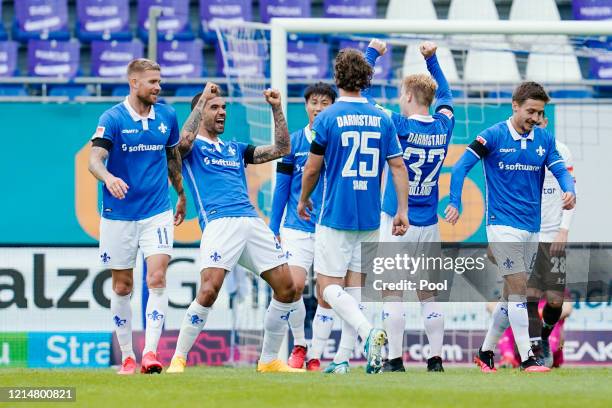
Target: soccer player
{"x": 138, "y": 141}
{"x": 514, "y": 154}
{"x": 232, "y": 232}
{"x": 424, "y": 139}
{"x": 354, "y": 139}
{"x": 548, "y": 277}
{"x": 298, "y": 235}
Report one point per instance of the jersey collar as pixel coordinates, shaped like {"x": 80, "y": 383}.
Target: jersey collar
{"x": 422, "y": 118}
{"x": 217, "y": 144}
{"x": 135, "y": 116}
{"x": 308, "y": 133}
{"x": 352, "y": 99}
{"x": 515, "y": 135}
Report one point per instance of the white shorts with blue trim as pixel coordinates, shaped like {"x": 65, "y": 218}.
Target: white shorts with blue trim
{"x": 299, "y": 247}
{"x": 514, "y": 249}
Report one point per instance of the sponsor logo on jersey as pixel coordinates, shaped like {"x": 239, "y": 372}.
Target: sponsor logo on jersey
{"x": 507, "y": 150}
{"x": 540, "y": 151}
{"x": 99, "y": 132}
{"x": 162, "y": 128}
{"x": 299, "y": 154}
{"x": 221, "y": 162}
{"x": 129, "y": 131}
{"x": 141, "y": 148}
{"x": 481, "y": 140}
{"x": 231, "y": 150}
{"x": 518, "y": 167}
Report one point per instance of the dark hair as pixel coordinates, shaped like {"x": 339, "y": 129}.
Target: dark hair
{"x": 320, "y": 88}
{"x": 351, "y": 71}
{"x": 195, "y": 99}
{"x": 529, "y": 90}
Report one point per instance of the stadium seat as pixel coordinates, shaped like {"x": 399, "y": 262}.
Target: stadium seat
{"x": 71, "y": 91}
{"x": 288, "y": 9}
{"x": 485, "y": 61}
{"x": 188, "y": 90}
{"x": 53, "y": 58}
{"x": 213, "y": 12}
{"x": 383, "y": 69}
{"x": 109, "y": 59}
{"x": 241, "y": 63}
{"x": 173, "y": 23}
{"x": 181, "y": 59}
{"x": 307, "y": 60}
{"x": 121, "y": 90}
{"x": 572, "y": 93}
{"x": 542, "y": 10}
{"x": 109, "y": 20}
{"x": 413, "y": 60}
{"x": 349, "y": 9}
{"x": 41, "y": 19}
{"x": 8, "y": 58}
{"x": 3, "y": 35}
{"x": 12, "y": 90}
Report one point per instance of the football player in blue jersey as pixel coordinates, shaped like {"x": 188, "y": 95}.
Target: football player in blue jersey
{"x": 232, "y": 231}
{"x": 352, "y": 141}
{"x": 515, "y": 154}
{"x": 298, "y": 235}
{"x": 138, "y": 140}
{"x": 424, "y": 139}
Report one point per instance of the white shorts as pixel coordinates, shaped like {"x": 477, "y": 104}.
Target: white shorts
{"x": 337, "y": 251}
{"x": 244, "y": 240}
{"x": 429, "y": 233}
{"x": 299, "y": 247}
{"x": 514, "y": 249}
{"x": 120, "y": 240}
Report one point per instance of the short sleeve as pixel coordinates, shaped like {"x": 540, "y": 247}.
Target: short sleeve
{"x": 173, "y": 139}
{"x": 483, "y": 144}
{"x": 319, "y": 131}
{"x": 401, "y": 123}
{"x": 394, "y": 149}
{"x": 445, "y": 116}
{"x": 106, "y": 128}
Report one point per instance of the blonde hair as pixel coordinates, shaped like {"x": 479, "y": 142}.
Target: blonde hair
{"x": 141, "y": 65}
{"x": 422, "y": 86}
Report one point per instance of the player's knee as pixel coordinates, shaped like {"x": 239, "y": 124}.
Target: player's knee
{"x": 207, "y": 296}
{"x": 156, "y": 279}
{"x": 299, "y": 289}
{"x": 286, "y": 293}
{"x": 554, "y": 302}
{"x": 123, "y": 288}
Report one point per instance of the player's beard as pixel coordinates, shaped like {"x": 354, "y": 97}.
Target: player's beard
{"x": 148, "y": 100}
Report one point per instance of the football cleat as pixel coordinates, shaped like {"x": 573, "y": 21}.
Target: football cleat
{"x": 337, "y": 368}
{"x": 395, "y": 365}
{"x": 277, "y": 366}
{"x": 538, "y": 351}
{"x": 128, "y": 367}
{"x": 313, "y": 365}
{"x": 373, "y": 350}
{"x": 533, "y": 365}
{"x": 434, "y": 365}
{"x": 508, "y": 361}
{"x": 150, "y": 365}
{"x": 177, "y": 365}
{"x": 297, "y": 357}
{"x": 486, "y": 361}
{"x": 547, "y": 356}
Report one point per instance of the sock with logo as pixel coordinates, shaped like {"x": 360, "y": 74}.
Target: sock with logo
{"x": 157, "y": 306}
{"x": 499, "y": 324}
{"x": 121, "y": 310}
{"x": 275, "y": 326}
{"x": 322, "y": 325}
{"x": 433, "y": 320}
{"x": 519, "y": 321}
{"x": 296, "y": 323}
{"x": 348, "y": 338}
{"x": 394, "y": 322}
{"x": 192, "y": 325}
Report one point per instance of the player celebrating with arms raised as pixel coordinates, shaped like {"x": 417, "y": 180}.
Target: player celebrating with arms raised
{"x": 424, "y": 139}
{"x": 137, "y": 138}
{"x": 298, "y": 235}
{"x": 354, "y": 139}
{"x": 232, "y": 232}
{"x": 515, "y": 154}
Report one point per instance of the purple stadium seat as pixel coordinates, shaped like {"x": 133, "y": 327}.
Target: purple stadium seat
{"x": 592, "y": 9}
{"x": 307, "y": 60}
{"x": 214, "y": 11}
{"x": 283, "y": 8}
{"x": 44, "y": 19}
{"x": 3, "y": 35}
{"x": 109, "y": 59}
{"x": 181, "y": 59}
{"x": 173, "y": 23}
{"x": 53, "y": 58}
{"x": 242, "y": 61}
{"x": 8, "y": 58}
{"x": 103, "y": 20}
{"x": 383, "y": 65}
{"x": 349, "y": 8}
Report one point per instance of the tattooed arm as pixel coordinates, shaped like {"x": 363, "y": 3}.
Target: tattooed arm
{"x": 189, "y": 131}
{"x": 282, "y": 142}
{"x": 176, "y": 178}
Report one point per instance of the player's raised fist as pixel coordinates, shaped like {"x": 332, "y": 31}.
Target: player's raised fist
{"x": 379, "y": 46}
{"x": 210, "y": 91}
{"x": 428, "y": 48}
{"x": 273, "y": 97}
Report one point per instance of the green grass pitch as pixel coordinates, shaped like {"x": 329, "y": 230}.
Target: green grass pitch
{"x": 229, "y": 387}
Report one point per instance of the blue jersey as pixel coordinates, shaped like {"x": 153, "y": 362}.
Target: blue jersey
{"x": 514, "y": 168}
{"x": 138, "y": 157}
{"x": 357, "y": 139}
{"x": 217, "y": 181}
{"x": 424, "y": 141}
{"x": 293, "y": 166}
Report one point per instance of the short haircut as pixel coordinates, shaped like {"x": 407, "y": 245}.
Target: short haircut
{"x": 351, "y": 71}
{"x": 320, "y": 88}
{"x": 529, "y": 90}
{"x": 142, "y": 65}
{"x": 422, "y": 86}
